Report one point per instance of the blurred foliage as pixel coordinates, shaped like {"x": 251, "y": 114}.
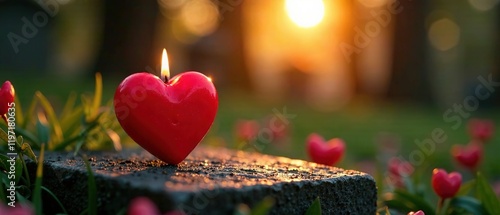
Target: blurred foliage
{"x": 88, "y": 124}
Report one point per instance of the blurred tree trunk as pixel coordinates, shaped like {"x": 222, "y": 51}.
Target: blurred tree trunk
{"x": 496, "y": 68}
{"x": 410, "y": 77}
{"x": 237, "y": 74}
{"x": 128, "y": 35}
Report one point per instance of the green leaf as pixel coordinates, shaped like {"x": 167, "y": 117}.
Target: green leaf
{"x": 4, "y": 165}
{"x": 26, "y": 174}
{"x": 26, "y": 149}
{"x": 3, "y": 135}
{"x": 486, "y": 195}
{"x": 42, "y": 128}
{"x": 71, "y": 122}
{"x": 315, "y": 208}
{"x": 28, "y": 136}
{"x": 55, "y": 198}
{"x": 79, "y": 145}
{"x": 408, "y": 184}
{"x": 96, "y": 103}
{"x": 37, "y": 191}
{"x": 68, "y": 106}
{"x": 466, "y": 188}
{"x": 92, "y": 208}
{"x": 263, "y": 207}
{"x": 19, "y": 112}
{"x": 469, "y": 204}
{"x": 3, "y": 197}
{"x": 397, "y": 204}
{"x": 31, "y": 112}
{"x": 52, "y": 118}
{"x": 403, "y": 201}
{"x": 19, "y": 168}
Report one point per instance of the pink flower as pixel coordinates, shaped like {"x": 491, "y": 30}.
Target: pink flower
{"x": 420, "y": 212}
{"x": 7, "y": 94}
{"x": 279, "y": 127}
{"x": 397, "y": 170}
{"x": 144, "y": 206}
{"x": 325, "y": 152}
{"x": 20, "y": 209}
{"x": 468, "y": 156}
{"x": 446, "y": 185}
{"x": 399, "y": 167}
{"x": 496, "y": 188}
{"x": 247, "y": 130}
{"x": 481, "y": 129}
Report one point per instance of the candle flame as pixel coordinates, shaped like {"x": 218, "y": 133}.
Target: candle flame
{"x": 165, "y": 70}
{"x": 209, "y": 78}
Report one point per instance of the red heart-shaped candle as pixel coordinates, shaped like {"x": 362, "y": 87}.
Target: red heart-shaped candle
{"x": 468, "y": 156}
{"x": 327, "y": 153}
{"x": 446, "y": 185}
{"x": 167, "y": 119}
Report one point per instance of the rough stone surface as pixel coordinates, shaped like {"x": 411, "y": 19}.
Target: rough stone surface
{"x": 209, "y": 181}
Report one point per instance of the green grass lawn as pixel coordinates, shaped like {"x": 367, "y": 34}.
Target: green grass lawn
{"x": 360, "y": 126}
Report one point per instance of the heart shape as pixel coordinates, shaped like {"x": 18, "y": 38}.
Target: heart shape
{"x": 167, "y": 119}
{"x": 481, "y": 129}
{"x": 446, "y": 185}
{"x": 468, "y": 156}
{"x": 327, "y": 153}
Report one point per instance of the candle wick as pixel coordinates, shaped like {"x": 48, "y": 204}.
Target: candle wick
{"x": 164, "y": 78}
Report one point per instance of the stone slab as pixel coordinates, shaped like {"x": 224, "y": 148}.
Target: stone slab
{"x": 209, "y": 181}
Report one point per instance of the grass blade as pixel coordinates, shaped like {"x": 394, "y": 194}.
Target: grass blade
{"x": 52, "y": 118}
{"x": 43, "y": 130}
{"x": 469, "y": 204}
{"x": 263, "y": 207}
{"x": 19, "y": 132}
{"x": 3, "y": 135}
{"x": 19, "y": 111}
{"x": 37, "y": 191}
{"x": 31, "y": 112}
{"x": 315, "y": 208}
{"x": 68, "y": 106}
{"x": 55, "y": 198}
{"x": 466, "y": 188}
{"x": 96, "y": 103}
{"x": 92, "y": 208}
{"x": 486, "y": 195}
{"x": 71, "y": 122}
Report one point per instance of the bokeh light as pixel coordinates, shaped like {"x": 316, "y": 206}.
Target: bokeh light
{"x": 373, "y": 3}
{"x": 444, "y": 34}
{"x": 305, "y": 13}
{"x": 483, "y": 5}
{"x": 200, "y": 17}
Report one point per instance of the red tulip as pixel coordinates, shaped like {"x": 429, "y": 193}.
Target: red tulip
{"x": 481, "y": 129}
{"x": 247, "y": 130}
{"x": 468, "y": 156}
{"x": 7, "y": 94}
{"x": 322, "y": 152}
{"x": 446, "y": 185}
{"x": 420, "y": 212}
